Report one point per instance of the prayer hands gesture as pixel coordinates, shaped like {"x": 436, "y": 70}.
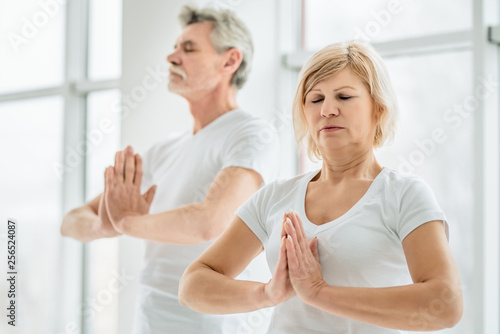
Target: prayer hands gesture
{"x": 122, "y": 192}
{"x": 298, "y": 270}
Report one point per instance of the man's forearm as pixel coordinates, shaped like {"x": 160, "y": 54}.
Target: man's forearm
{"x": 80, "y": 224}
{"x": 190, "y": 224}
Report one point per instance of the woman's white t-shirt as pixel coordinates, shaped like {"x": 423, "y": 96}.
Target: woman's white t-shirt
{"x": 362, "y": 248}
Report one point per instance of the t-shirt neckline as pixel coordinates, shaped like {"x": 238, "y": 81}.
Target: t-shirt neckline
{"x": 313, "y": 228}
{"x": 212, "y": 123}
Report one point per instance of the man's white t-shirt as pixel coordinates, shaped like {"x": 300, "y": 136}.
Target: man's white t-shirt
{"x": 362, "y": 248}
{"x": 183, "y": 167}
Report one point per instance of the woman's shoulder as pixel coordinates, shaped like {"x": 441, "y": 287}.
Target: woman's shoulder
{"x": 285, "y": 185}
{"x": 400, "y": 182}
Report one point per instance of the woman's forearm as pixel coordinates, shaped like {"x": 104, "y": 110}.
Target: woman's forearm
{"x": 207, "y": 291}
{"x": 424, "y": 306}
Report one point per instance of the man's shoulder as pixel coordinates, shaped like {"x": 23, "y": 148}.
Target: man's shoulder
{"x": 245, "y": 126}
{"x": 165, "y": 143}
{"x": 245, "y": 120}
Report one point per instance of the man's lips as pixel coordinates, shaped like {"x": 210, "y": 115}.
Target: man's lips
{"x": 175, "y": 74}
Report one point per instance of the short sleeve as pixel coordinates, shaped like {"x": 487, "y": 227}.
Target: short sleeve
{"x": 418, "y": 206}
{"x": 254, "y": 146}
{"x": 255, "y": 210}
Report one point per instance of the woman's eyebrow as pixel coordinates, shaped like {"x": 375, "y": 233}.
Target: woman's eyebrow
{"x": 336, "y": 89}
{"x": 343, "y": 88}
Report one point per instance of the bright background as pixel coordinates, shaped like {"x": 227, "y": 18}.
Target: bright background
{"x": 72, "y": 92}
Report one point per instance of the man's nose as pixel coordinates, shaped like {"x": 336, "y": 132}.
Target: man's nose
{"x": 173, "y": 58}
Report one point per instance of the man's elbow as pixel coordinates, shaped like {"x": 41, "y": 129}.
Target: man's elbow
{"x": 210, "y": 233}
{"x": 64, "y": 229}
{"x": 213, "y": 228}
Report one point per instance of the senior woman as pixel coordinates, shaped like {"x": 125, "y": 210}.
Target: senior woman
{"x": 364, "y": 249}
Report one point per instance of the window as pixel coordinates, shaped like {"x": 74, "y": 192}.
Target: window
{"x": 60, "y": 67}
{"x": 103, "y": 133}
{"x": 382, "y": 20}
{"x": 105, "y": 35}
{"x": 32, "y": 137}
{"x": 32, "y": 54}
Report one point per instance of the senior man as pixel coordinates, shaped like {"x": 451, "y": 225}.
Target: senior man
{"x": 192, "y": 182}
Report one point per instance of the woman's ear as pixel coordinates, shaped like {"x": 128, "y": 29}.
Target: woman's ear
{"x": 377, "y": 112}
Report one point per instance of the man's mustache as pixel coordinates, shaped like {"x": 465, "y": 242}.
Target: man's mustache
{"x": 177, "y": 70}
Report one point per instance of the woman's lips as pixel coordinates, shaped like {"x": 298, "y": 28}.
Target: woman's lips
{"x": 331, "y": 128}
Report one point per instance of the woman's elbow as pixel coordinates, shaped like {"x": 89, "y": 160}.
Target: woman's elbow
{"x": 452, "y": 298}
{"x": 454, "y": 314}
{"x": 445, "y": 309}
{"x": 187, "y": 286}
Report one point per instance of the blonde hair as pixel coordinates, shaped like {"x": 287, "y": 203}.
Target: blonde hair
{"x": 362, "y": 59}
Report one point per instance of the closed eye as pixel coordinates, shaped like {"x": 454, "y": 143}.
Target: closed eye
{"x": 345, "y": 97}
{"x": 317, "y": 100}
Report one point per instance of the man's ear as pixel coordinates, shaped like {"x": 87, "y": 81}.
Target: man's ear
{"x": 233, "y": 59}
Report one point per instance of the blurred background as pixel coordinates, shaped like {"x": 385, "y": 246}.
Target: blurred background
{"x": 81, "y": 79}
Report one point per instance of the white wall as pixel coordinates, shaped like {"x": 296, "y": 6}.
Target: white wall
{"x": 150, "y": 28}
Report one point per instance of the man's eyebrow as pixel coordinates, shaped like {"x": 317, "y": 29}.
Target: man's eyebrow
{"x": 186, "y": 43}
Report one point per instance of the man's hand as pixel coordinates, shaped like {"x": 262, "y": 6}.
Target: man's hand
{"x": 123, "y": 189}
{"x": 104, "y": 227}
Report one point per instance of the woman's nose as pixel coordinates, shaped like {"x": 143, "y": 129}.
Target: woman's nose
{"x": 329, "y": 108}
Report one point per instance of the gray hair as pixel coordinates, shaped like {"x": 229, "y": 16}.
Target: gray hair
{"x": 228, "y": 32}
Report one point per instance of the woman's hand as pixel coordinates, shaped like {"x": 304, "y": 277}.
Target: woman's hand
{"x": 303, "y": 260}
{"x": 279, "y": 288}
